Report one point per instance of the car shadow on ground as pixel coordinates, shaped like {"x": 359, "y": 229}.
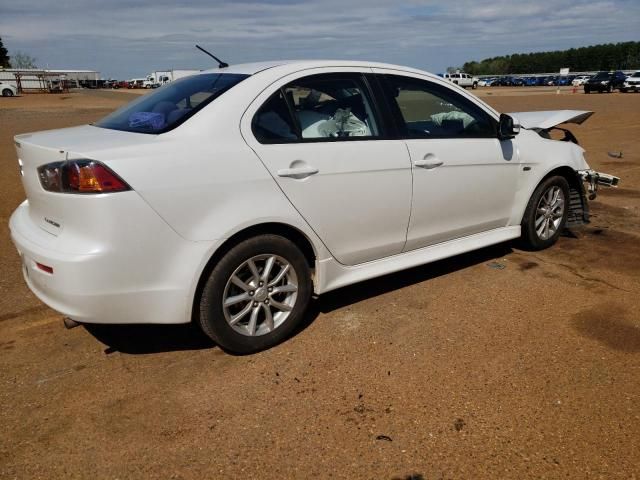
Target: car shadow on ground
{"x": 147, "y": 339}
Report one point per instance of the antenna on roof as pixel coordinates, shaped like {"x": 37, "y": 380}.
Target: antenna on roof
{"x": 221, "y": 64}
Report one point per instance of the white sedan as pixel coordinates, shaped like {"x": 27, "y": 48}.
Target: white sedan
{"x": 229, "y": 197}
{"x": 7, "y": 90}
{"x": 631, "y": 83}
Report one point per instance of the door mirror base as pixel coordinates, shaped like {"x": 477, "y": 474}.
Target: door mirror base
{"x": 508, "y": 127}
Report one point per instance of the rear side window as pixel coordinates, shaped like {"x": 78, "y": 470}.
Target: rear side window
{"x": 330, "y": 107}
{"x": 273, "y": 122}
{"x": 169, "y": 106}
{"x": 427, "y": 110}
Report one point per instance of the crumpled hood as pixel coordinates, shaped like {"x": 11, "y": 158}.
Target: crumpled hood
{"x": 550, "y": 118}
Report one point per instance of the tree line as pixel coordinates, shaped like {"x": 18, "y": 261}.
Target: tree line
{"x": 609, "y": 56}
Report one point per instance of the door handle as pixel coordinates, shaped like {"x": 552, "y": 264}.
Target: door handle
{"x": 427, "y": 163}
{"x": 297, "y": 172}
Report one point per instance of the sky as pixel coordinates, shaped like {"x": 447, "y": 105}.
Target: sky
{"x": 130, "y": 38}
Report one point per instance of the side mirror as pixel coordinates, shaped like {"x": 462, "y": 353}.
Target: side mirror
{"x": 507, "y": 128}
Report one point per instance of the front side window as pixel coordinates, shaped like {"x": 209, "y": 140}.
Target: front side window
{"x": 169, "y": 106}
{"x": 428, "y": 110}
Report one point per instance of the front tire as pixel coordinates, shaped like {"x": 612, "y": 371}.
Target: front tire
{"x": 256, "y": 295}
{"x": 587, "y": 89}
{"x": 7, "y": 92}
{"x": 546, "y": 214}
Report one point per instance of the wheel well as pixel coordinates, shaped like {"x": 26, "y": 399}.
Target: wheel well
{"x": 286, "y": 231}
{"x": 568, "y": 173}
{"x": 578, "y": 205}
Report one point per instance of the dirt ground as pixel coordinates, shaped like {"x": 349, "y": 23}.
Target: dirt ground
{"x": 454, "y": 370}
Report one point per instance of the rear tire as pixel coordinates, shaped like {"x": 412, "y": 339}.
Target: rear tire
{"x": 546, "y": 214}
{"x": 248, "y": 306}
{"x": 587, "y": 89}
{"x": 7, "y": 92}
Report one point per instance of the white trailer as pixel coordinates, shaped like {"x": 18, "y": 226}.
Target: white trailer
{"x": 176, "y": 74}
{"x": 160, "y": 77}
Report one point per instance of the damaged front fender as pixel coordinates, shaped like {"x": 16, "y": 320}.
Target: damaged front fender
{"x": 578, "y": 194}
{"x": 594, "y": 179}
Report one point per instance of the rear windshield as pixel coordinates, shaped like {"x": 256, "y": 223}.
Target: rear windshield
{"x": 602, "y": 75}
{"x": 169, "y": 106}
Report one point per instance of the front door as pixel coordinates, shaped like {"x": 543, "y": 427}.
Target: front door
{"x": 464, "y": 178}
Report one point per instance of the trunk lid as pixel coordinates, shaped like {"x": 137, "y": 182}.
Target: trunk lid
{"x": 51, "y": 211}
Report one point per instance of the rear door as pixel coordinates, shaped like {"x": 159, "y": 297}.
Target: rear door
{"x": 464, "y": 178}
{"x": 324, "y": 142}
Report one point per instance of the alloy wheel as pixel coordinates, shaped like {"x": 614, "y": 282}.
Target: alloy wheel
{"x": 260, "y": 295}
{"x": 549, "y": 212}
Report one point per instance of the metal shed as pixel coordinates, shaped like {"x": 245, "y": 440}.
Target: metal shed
{"x": 47, "y": 80}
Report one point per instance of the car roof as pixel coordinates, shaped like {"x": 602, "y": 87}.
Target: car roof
{"x": 296, "y": 65}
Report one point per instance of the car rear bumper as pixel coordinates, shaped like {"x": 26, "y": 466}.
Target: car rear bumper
{"x": 148, "y": 279}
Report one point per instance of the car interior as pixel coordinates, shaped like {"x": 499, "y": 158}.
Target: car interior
{"x": 332, "y": 108}
{"x": 322, "y": 109}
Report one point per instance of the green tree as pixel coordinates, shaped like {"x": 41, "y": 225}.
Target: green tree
{"x": 4, "y": 56}
{"x": 611, "y": 56}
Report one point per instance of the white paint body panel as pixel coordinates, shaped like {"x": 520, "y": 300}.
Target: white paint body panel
{"x": 479, "y": 167}
{"x": 358, "y": 202}
{"x": 137, "y": 256}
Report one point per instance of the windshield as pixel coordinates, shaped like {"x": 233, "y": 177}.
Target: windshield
{"x": 602, "y": 76}
{"x": 169, "y": 106}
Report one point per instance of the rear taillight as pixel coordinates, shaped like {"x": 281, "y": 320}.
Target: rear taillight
{"x": 44, "y": 268}
{"x": 80, "y": 176}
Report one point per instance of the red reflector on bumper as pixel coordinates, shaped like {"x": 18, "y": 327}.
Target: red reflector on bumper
{"x": 44, "y": 268}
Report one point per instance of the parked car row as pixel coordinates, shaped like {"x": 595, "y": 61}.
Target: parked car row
{"x": 116, "y": 84}
{"x": 526, "y": 81}
{"x": 600, "y": 82}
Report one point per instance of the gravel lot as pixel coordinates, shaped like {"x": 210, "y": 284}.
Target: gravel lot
{"x": 451, "y": 370}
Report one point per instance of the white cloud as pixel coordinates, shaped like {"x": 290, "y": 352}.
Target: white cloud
{"x": 123, "y": 38}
